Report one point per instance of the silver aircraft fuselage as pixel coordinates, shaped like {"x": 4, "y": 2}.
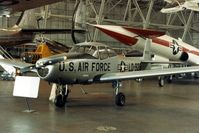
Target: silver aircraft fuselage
{"x": 86, "y": 67}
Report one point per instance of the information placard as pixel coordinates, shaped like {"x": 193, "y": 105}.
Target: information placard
{"x": 26, "y": 86}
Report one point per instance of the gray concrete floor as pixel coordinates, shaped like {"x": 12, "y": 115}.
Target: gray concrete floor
{"x": 173, "y": 108}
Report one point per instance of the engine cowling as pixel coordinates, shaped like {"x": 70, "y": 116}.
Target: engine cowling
{"x": 184, "y": 56}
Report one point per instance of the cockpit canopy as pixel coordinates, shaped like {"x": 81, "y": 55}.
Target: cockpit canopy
{"x": 97, "y": 50}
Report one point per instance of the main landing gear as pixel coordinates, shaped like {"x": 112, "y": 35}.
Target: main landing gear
{"x": 119, "y": 96}
{"x": 161, "y": 81}
{"x": 61, "y": 95}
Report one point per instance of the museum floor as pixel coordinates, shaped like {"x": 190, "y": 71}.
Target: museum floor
{"x": 173, "y": 108}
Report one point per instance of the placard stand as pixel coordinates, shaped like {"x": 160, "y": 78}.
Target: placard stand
{"x": 28, "y": 87}
{"x": 28, "y": 105}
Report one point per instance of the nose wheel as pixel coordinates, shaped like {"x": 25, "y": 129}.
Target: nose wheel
{"x": 119, "y": 96}
{"x": 61, "y": 96}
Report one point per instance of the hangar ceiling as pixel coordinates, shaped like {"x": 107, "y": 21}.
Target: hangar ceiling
{"x": 137, "y": 13}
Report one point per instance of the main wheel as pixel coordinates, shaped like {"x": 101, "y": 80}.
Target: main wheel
{"x": 169, "y": 79}
{"x": 120, "y": 99}
{"x": 60, "y": 100}
{"x": 161, "y": 82}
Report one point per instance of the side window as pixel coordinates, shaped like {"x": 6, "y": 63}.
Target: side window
{"x": 103, "y": 53}
{"x": 111, "y": 52}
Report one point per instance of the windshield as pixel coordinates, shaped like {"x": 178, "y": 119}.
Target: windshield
{"x": 84, "y": 49}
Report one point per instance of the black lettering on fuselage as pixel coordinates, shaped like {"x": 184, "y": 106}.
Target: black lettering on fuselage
{"x": 61, "y": 66}
{"x": 99, "y": 67}
{"x": 134, "y": 67}
{"x": 71, "y": 66}
{"x": 93, "y": 66}
{"x": 83, "y": 66}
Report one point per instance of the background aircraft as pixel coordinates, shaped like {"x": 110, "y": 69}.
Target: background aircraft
{"x": 44, "y": 49}
{"x": 163, "y": 45}
{"x": 25, "y": 29}
{"x": 179, "y": 5}
{"x": 92, "y": 62}
{"x": 11, "y": 6}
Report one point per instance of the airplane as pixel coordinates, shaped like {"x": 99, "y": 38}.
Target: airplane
{"x": 92, "y": 62}
{"x": 8, "y": 7}
{"x": 25, "y": 29}
{"x": 44, "y": 48}
{"x": 179, "y": 5}
{"x": 162, "y": 45}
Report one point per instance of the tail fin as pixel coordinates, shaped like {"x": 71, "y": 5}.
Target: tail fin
{"x": 147, "y": 50}
{"x": 80, "y": 16}
{"x": 79, "y": 22}
{"x": 27, "y": 20}
{"x": 147, "y": 56}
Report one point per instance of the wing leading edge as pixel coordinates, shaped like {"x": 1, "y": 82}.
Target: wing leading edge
{"x": 147, "y": 73}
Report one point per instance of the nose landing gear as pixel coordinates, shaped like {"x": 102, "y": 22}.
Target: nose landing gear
{"x": 61, "y": 95}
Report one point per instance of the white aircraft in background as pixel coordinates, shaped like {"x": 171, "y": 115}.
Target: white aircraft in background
{"x": 8, "y": 7}
{"x": 179, "y": 5}
{"x": 163, "y": 45}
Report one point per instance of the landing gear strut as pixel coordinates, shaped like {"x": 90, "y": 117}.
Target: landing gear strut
{"x": 169, "y": 79}
{"x": 119, "y": 96}
{"x": 161, "y": 81}
{"x": 61, "y": 95}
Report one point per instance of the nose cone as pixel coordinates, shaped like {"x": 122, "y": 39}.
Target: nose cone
{"x": 45, "y": 72}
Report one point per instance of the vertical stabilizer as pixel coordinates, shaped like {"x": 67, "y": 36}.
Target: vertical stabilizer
{"x": 27, "y": 20}
{"x": 80, "y": 16}
{"x": 147, "y": 50}
{"x": 147, "y": 53}
{"x": 79, "y": 22}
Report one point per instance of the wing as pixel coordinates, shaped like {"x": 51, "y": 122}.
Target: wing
{"x": 52, "y": 31}
{"x": 128, "y": 35}
{"x": 146, "y": 73}
{"x": 22, "y": 66}
{"x": 172, "y": 9}
{"x": 192, "y": 6}
{"x": 163, "y": 62}
{"x": 11, "y": 6}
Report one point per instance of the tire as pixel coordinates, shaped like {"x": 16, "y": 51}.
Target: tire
{"x": 60, "y": 101}
{"x": 120, "y": 99}
{"x": 169, "y": 79}
{"x": 161, "y": 82}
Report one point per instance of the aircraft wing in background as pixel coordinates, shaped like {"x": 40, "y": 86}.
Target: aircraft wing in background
{"x": 52, "y": 31}
{"x": 128, "y": 35}
{"x": 11, "y": 6}
{"x": 179, "y": 5}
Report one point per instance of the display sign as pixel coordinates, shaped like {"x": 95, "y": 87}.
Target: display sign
{"x": 26, "y": 86}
